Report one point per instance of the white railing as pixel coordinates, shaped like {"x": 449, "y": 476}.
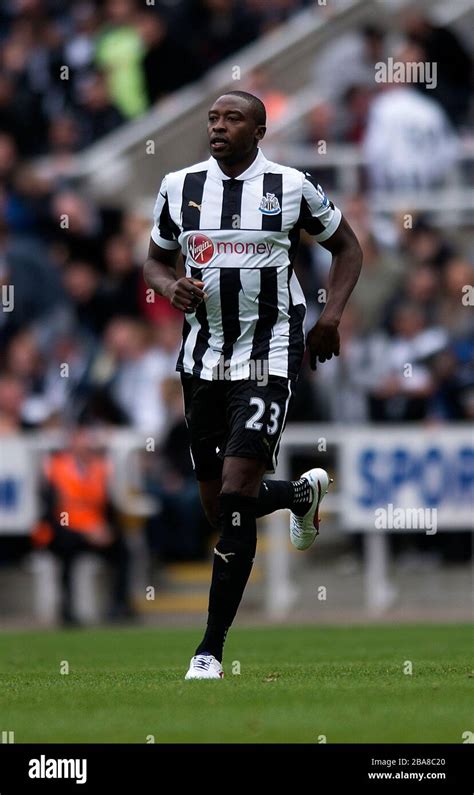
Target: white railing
{"x": 411, "y": 467}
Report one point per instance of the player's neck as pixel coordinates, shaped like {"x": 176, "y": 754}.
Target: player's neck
{"x": 235, "y": 169}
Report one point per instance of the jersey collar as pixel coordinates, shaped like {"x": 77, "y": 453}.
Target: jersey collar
{"x": 259, "y": 166}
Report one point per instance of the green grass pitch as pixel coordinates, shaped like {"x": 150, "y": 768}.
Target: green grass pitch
{"x": 296, "y": 684}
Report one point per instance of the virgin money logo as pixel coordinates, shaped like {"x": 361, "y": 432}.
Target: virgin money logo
{"x": 200, "y": 249}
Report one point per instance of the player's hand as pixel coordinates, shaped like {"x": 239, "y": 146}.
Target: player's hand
{"x": 322, "y": 342}
{"x": 186, "y": 294}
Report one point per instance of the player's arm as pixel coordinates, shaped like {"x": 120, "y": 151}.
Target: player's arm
{"x": 159, "y": 273}
{"x": 323, "y": 338}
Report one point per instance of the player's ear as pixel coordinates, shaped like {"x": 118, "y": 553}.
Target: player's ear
{"x": 260, "y": 132}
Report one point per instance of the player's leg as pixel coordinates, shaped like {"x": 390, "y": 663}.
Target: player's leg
{"x": 274, "y": 495}
{"x": 209, "y": 491}
{"x": 295, "y": 495}
{"x": 234, "y": 552}
{"x": 256, "y": 416}
{"x": 205, "y": 414}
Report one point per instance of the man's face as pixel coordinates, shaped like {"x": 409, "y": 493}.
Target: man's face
{"x": 232, "y": 129}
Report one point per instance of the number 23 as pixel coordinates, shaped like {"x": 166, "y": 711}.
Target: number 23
{"x": 253, "y": 423}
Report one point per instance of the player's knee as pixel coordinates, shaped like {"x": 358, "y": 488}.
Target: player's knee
{"x": 243, "y": 478}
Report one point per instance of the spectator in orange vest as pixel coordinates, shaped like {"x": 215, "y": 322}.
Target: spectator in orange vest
{"x": 78, "y": 517}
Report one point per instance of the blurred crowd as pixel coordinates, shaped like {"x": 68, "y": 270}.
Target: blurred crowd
{"x": 72, "y": 72}
{"x": 85, "y": 341}
{"x": 416, "y": 39}
{"x": 82, "y": 341}
{"x": 403, "y": 96}
{"x": 407, "y": 336}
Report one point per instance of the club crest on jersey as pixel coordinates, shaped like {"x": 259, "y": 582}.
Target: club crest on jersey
{"x": 270, "y": 205}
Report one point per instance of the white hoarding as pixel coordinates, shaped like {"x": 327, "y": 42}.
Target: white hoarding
{"x": 389, "y": 476}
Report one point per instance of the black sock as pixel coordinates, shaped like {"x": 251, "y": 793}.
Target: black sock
{"x": 296, "y": 495}
{"x": 274, "y": 495}
{"x": 233, "y": 559}
{"x": 302, "y": 496}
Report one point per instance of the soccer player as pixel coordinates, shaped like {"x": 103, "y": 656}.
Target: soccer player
{"x": 236, "y": 218}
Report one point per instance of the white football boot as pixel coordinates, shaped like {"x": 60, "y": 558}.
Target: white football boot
{"x": 304, "y": 529}
{"x": 204, "y": 666}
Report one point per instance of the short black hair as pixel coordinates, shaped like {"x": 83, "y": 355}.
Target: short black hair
{"x": 256, "y": 104}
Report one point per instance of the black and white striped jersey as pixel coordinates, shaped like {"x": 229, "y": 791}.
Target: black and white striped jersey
{"x": 239, "y": 236}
